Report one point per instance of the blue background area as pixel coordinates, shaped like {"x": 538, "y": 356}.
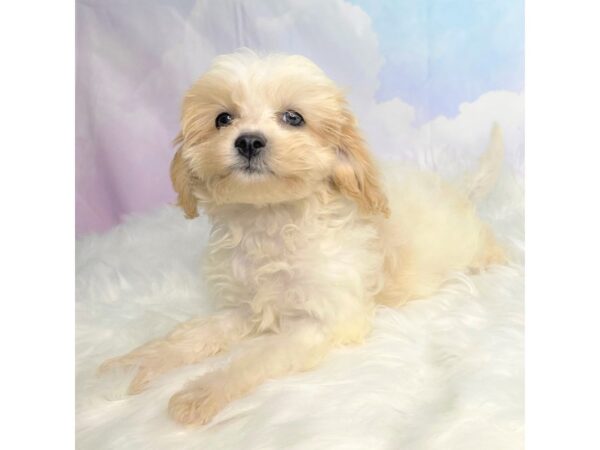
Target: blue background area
{"x": 440, "y": 53}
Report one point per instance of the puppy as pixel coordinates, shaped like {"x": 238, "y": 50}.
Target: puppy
{"x": 305, "y": 241}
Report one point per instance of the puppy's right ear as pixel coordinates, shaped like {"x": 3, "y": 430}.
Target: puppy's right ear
{"x": 183, "y": 182}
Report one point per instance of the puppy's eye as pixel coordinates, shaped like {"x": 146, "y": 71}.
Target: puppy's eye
{"x": 292, "y": 118}
{"x": 223, "y": 120}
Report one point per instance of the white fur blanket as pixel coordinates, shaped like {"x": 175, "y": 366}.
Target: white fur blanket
{"x": 444, "y": 372}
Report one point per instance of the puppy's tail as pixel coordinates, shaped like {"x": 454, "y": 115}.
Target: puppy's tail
{"x": 479, "y": 183}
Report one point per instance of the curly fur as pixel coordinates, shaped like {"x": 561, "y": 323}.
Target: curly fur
{"x": 300, "y": 253}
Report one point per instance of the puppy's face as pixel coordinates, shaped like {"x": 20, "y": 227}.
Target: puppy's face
{"x": 269, "y": 130}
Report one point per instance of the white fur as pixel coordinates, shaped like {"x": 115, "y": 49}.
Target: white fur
{"x": 442, "y": 372}
{"x": 303, "y": 247}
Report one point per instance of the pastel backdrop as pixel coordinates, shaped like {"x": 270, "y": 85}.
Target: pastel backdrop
{"x": 425, "y": 78}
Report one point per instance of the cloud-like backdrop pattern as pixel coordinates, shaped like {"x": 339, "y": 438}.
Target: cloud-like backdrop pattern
{"x": 425, "y": 79}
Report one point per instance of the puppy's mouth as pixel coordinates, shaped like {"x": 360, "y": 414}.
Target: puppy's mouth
{"x": 253, "y": 168}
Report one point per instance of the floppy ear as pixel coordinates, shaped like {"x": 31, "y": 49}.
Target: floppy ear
{"x": 182, "y": 182}
{"x": 355, "y": 174}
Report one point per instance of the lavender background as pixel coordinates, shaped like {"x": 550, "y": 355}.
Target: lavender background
{"x": 425, "y": 78}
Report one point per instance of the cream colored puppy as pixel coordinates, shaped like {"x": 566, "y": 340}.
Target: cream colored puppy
{"x": 304, "y": 241}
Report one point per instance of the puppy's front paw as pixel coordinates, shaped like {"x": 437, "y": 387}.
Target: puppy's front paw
{"x": 149, "y": 362}
{"x": 142, "y": 380}
{"x": 198, "y": 404}
{"x": 113, "y": 363}
{"x": 143, "y": 375}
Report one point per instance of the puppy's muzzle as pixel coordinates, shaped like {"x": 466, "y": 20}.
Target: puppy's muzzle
{"x": 249, "y": 145}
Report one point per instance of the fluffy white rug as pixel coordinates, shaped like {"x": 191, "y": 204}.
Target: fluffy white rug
{"x": 440, "y": 373}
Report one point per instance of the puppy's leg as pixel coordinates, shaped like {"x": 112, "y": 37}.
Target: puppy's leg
{"x": 189, "y": 343}
{"x": 300, "y": 347}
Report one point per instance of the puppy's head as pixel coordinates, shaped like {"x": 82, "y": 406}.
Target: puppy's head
{"x": 260, "y": 130}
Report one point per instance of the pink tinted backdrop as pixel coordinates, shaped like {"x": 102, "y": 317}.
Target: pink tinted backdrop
{"x": 459, "y": 65}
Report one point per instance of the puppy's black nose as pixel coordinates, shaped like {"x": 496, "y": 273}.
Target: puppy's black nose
{"x": 250, "y": 145}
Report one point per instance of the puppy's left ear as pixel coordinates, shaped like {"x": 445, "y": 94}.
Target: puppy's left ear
{"x": 354, "y": 173}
